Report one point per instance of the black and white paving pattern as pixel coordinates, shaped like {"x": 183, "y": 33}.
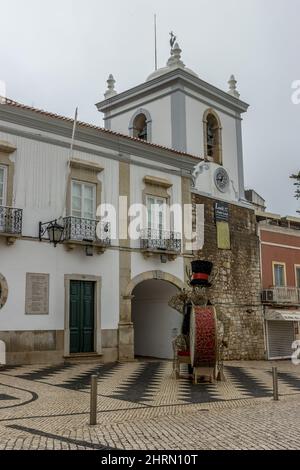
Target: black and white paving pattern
{"x": 152, "y": 382}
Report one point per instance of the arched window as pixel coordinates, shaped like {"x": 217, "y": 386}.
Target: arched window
{"x": 212, "y": 136}
{"x": 140, "y": 125}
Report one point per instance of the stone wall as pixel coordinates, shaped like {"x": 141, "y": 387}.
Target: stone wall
{"x": 42, "y": 347}
{"x": 29, "y": 347}
{"x": 236, "y": 287}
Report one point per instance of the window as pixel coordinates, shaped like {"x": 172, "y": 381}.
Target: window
{"x": 297, "y": 272}
{"x": 3, "y": 184}
{"x": 279, "y": 274}
{"x": 140, "y": 127}
{"x": 156, "y": 207}
{"x": 83, "y": 200}
{"x": 212, "y": 136}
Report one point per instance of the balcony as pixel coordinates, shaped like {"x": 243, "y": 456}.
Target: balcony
{"x": 160, "y": 242}
{"x": 281, "y": 296}
{"x": 86, "y": 232}
{"x": 11, "y": 223}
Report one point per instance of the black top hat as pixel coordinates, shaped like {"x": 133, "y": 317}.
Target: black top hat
{"x": 200, "y": 273}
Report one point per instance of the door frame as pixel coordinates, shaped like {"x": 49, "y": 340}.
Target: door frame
{"x": 97, "y": 310}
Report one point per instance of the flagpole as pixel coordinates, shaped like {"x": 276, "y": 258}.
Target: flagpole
{"x": 69, "y": 160}
{"x": 155, "y": 42}
{"x": 73, "y": 135}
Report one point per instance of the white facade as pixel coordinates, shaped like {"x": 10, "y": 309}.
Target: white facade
{"x": 35, "y": 257}
{"x": 37, "y": 147}
{"x": 92, "y": 296}
{"x": 175, "y": 106}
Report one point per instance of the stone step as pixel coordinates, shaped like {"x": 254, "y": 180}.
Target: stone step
{"x": 84, "y": 358}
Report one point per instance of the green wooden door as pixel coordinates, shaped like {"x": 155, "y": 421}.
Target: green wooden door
{"x": 81, "y": 316}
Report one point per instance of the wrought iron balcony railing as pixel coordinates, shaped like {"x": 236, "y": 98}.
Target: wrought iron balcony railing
{"x": 164, "y": 240}
{"x": 11, "y": 220}
{"x": 86, "y": 230}
{"x": 281, "y": 295}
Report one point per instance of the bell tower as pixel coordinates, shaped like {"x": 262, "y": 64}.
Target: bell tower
{"x": 175, "y": 108}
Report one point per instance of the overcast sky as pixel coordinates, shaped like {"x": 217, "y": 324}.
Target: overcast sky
{"x": 57, "y": 55}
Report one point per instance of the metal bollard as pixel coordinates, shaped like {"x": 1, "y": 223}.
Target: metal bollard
{"x": 93, "y": 404}
{"x": 275, "y": 383}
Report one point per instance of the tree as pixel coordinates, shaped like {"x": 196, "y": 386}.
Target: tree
{"x": 297, "y": 185}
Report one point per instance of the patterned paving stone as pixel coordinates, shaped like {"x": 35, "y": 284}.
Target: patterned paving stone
{"x": 247, "y": 383}
{"x": 141, "y": 386}
{"x": 5, "y": 397}
{"x": 79, "y": 444}
{"x": 138, "y": 384}
{"x": 198, "y": 393}
{"x": 291, "y": 380}
{"x": 44, "y": 372}
{"x": 142, "y": 406}
{"x": 82, "y": 381}
{"x": 258, "y": 425}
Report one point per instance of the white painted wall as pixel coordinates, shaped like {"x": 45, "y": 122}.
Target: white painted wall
{"x": 155, "y": 323}
{"x": 36, "y": 257}
{"x": 195, "y": 110}
{"x": 137, "y": 186}
{"x": 160, "y": 111}
{"x": 206, "y": 185}
{"x": 194, "y": 126}
{"x": 196, "y": 105}
{"x": 138, "y": 263}
{"x": 40, "y": 179}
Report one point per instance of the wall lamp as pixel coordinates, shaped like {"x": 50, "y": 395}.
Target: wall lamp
{"x": 54, "y": 230}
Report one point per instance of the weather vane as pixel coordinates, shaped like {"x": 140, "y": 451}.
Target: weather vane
{"x": 172, "y": 39}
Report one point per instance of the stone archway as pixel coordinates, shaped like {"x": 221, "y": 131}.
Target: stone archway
{"x": 126, "y": 331}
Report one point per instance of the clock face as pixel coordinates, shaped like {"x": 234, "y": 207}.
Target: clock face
{"x": 221, "y": 179}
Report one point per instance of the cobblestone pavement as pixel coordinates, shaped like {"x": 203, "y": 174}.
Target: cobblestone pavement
{"x": 142, "y": 406}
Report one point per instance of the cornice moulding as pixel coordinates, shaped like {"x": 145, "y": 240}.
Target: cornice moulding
{"x": 169, "y": 79}
{"x": 121, "y": 145}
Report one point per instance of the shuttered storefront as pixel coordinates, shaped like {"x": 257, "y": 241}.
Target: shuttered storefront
{"x": 280, "y": 338}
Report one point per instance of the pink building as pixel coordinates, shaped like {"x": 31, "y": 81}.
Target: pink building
{"x": 280, "y": 271}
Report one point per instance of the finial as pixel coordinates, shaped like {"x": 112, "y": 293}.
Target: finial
{"x": 175, "y": 58}
{"x": 110, "y": 87}
{"x": 177, "y": 51}
{"x": 232, "y": 87}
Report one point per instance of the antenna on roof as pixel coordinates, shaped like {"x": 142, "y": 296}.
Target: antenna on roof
{"x": 155, "y": 43}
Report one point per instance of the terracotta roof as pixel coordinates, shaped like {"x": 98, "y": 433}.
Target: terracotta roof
{"x": 15, "y": 104}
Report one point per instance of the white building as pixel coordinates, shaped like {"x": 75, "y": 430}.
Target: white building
{"x": 62, "y": 302}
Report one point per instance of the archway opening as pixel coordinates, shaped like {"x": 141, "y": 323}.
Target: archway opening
{"x": 140, "y": 127}
{"x": 155, "y": 323}
{"x": 212, "y": 136}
